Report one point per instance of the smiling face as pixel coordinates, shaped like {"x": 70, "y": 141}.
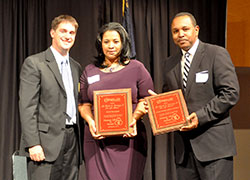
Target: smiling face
{"x": 63, "y": 37}
{"x": 184, "y": 32}
{"x": 111, "y": 45}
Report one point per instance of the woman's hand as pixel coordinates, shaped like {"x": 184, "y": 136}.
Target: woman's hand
{"x": 92, "y": 129}
{"x": 86, "y": 113}
{"x": 132, "y": 125}
{"x": 137, "y": 115}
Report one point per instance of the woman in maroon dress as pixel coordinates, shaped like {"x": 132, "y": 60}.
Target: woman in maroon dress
{"x": 116, "y": 157}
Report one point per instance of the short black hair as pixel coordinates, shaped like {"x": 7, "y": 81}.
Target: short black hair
{"x": 126, "y": 45}
{"x": 186, "y": 14}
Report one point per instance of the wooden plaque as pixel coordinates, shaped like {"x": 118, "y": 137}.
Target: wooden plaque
{"x": 167, "y": 112}
{"x": 113, "y": 111}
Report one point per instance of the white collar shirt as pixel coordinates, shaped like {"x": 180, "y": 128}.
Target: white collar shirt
{"x": 191, "y": 51}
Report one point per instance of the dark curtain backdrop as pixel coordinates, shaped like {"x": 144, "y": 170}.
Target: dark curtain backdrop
{"x": 24, "y": 30}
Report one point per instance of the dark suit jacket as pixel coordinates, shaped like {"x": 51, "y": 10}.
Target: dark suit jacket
{"x": 43, "y": 102}
{"x": 212, "y": 90}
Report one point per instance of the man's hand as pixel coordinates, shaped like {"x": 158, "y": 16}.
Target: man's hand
{"x": 192, "y": 122}
{"x": 152, "y": 93}
{"x": 36, "y": 153}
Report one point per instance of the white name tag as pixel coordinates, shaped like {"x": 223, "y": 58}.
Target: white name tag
{"x": 93, "y": 79}
{"x": 201, "y": 77}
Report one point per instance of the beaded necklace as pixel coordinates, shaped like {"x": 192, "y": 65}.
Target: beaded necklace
{"x": 112, "y": 68}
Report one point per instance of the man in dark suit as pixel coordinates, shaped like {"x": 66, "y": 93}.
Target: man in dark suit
{"x": 204, "y": 149}
{"x": 48, "y": 107}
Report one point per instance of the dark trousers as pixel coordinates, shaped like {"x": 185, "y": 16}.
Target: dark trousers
{"x": 66, "y": 166}
{"x": 193, "y": 169}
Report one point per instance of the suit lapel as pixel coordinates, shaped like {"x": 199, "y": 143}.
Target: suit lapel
{"x": 177, "y": 70}
{"x": 197, "y": 59}
{"x": 54, "y": 67}
{"x": 75, "y": 76}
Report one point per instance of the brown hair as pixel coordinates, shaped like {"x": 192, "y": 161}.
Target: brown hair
{"x": 63, "y": 18}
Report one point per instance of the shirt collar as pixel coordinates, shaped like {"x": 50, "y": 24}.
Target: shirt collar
{"x": 59, "y": 58}
{"x": 193, "y": 49}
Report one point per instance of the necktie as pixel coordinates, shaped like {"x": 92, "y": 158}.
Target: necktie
{"x": 68, "y": 85}
{"x": 186, "y": 69}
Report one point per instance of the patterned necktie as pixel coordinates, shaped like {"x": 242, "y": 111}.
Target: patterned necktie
{"x": 68, "y": 84}
{"x": 186, "y": 69}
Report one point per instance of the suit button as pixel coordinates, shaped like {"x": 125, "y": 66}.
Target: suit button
{"x": 63, "y": 128}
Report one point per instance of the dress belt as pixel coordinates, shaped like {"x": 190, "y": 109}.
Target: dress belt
{"x": 70, "y": 126}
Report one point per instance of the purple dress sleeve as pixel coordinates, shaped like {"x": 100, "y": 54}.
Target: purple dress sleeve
{"x": 83, "y": 98}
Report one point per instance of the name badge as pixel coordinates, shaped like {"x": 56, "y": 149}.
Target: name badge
{"x": 201, "y": 77}
{"x": 93, "y": 79}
